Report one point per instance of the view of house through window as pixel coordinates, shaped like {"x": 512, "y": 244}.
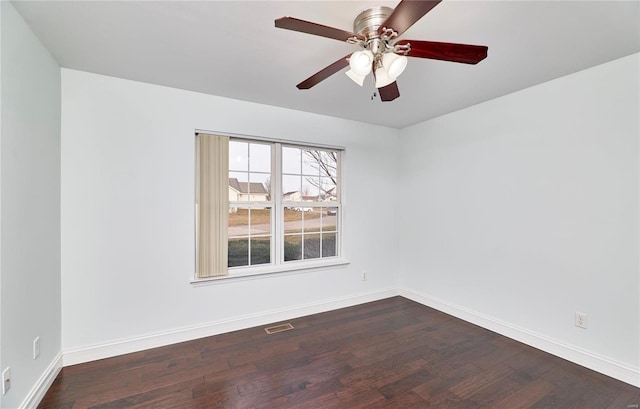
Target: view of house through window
{"x": 250, "y": 203}
{"x": 283, "y": 203}
{"x": 309, "y": 185}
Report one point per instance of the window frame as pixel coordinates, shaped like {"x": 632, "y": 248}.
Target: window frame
{"x": 252, "y": 204}
{"x": 278, "y": 264}
{"x": 302, "y": 204}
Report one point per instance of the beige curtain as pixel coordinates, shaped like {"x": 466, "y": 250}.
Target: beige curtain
{"x": 213, "y": 205}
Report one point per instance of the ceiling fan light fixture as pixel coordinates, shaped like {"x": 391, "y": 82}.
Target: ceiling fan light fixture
{"x": 375, "y": 31}
{"x": 395, "y": 64}
{"x": 358, "y": 79}
{"x": 360, "y": 62}
{"x": 382, "y": 77}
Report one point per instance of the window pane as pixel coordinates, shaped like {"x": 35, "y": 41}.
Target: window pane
{"x": 310, "y": 190}
{"x": 240, "y": 176}
{"x": 311, "y": 162}
{"x": 238, "y": 156}
{"x": 329, "y": 160}
{"x": 291, "y": 188}
{"x": 291, "y": 160}
{"x": 312, "y": 219}
{"x": 292, "y": 247}
{"x": 329, "y": 218}
{"x": 238, "y": 252}
{"x": 249, "y": 226}
{"x": 258, "y": 187}
{"x": 238, "y": 186}
{"x": 260, "y": 221}
{"x": 238, "y": 221}
{"x": 328, "y": 190}
{"x": 260, "y": 250}
{"x": 329, "y": 245}
{"x": 259, "y": 158}
{"x": 292, "y": 221}
{"x": 311, "y": 246}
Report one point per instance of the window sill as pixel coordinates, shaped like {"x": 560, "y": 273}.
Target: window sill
{"x": 263, "y": 272}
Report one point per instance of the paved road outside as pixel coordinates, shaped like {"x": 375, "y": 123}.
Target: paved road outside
{"x": 288, "y": 226}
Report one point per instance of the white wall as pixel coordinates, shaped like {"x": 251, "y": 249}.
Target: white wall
{"x": 30, "y": 207}
{"x": 522, "y": 210}
{"x": 525, "y": 210}
{"x": 127, "y": 211}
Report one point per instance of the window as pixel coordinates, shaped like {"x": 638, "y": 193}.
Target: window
{"x": 282, "y": 202}
{"x": 309, "y": 202}
{"x": 250, "y": 203}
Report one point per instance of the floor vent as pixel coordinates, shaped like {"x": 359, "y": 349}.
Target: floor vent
{"x": 278, "y": 328}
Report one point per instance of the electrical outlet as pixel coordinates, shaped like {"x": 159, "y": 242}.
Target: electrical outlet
{"x": 6, "y": 380}
{"x": 36, "y": 348}
{"x": 581, "y": 320}
{"x": 364, "y": 276}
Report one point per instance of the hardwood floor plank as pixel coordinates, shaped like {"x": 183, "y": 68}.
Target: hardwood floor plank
{"x": 381, "y": 373}
{"x": 504, "y": 351}
{"x": 445, "y": 380}
{"x": 490, "y": 395}
{"x": 358, "y": 398}
{"x": 308, "y": 395}
{"x": 627, "y": 400}
{"x": 473, "y": 384}
{"x": 392, "y": 353}
{"x": 149, "y": 398}
{"x": 526, "y": 396}
{"x": 405, "y": 384}
{"x": 224, "y": 381}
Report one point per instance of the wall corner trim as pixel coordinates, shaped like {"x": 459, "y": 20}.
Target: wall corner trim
{"x": 40, "y": 388}
{"x": 598, "y": 363}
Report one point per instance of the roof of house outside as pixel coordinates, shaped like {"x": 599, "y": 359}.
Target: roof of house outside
{"x": 246, "y": 187}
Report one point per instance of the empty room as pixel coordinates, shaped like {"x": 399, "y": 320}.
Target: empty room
{"x": 320, "y": 204}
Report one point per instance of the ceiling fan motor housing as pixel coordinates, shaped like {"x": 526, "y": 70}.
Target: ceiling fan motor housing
{"x": 367, "y": 22}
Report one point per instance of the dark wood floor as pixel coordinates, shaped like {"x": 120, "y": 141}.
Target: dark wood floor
{"x": 392, "y": 353}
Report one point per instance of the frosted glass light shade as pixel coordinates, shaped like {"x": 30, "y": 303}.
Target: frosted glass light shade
{"x": 395, "y": 64}
{"x": 360, "y": 62}
{"x": 382, "y": 77}
{"x": 358, "y": 79}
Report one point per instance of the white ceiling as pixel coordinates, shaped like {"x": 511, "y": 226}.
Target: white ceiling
{"x": 232, "y": 49}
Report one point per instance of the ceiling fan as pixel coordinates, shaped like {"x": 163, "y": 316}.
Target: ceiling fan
{"x": 376, "y": 30}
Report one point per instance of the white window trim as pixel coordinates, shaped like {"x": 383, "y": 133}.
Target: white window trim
{"x": 290, "y": 267}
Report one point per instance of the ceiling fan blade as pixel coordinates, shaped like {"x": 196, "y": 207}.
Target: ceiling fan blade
{"x": 324, "y": 73}
{"x": 406, "y": 13}
{"x": 389, "y": 92}
{"x": 465, "y": 53}
{"x": 295, "y": 24}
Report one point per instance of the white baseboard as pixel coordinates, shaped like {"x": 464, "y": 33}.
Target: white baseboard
{"x": 43, "y": 384}
{"x": 571, "y": 353}
{"x": 125, "y": 346}
{"x": 604, "y": 365}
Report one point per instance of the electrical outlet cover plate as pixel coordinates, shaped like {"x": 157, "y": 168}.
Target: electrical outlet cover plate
{"x": 6, "y": 380}
{"x": 581, "y": 320}
{"x": 36, "y": 348}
